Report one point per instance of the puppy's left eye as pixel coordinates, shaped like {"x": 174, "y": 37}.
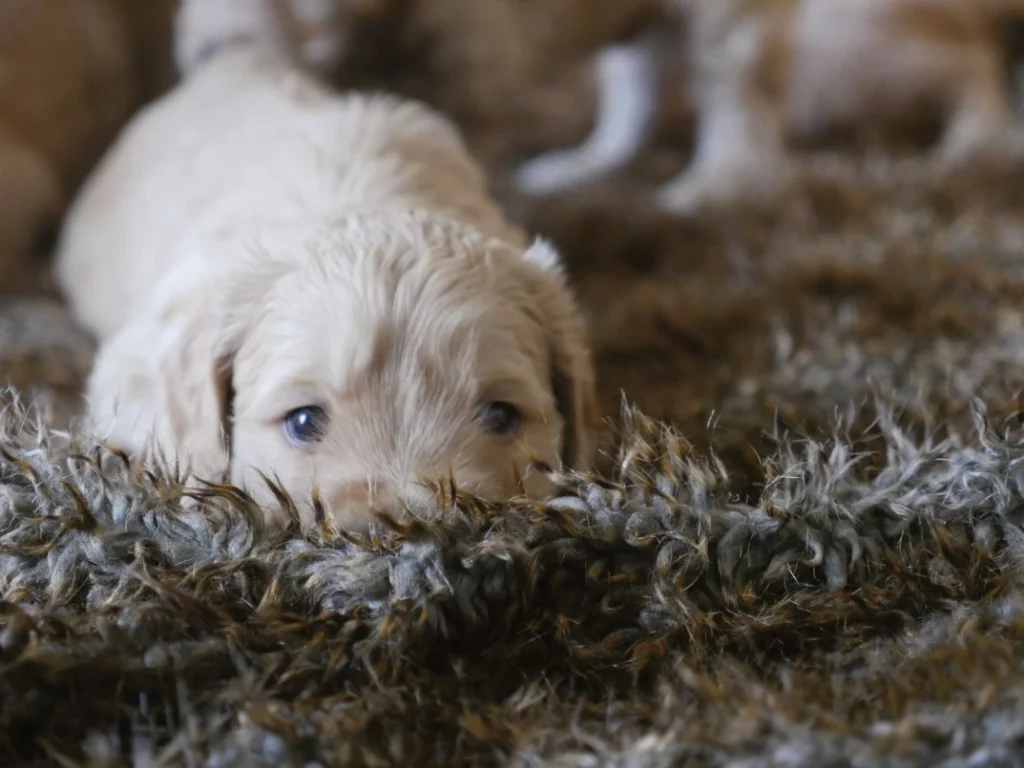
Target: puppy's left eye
{"x": 499, "y": 418}
{"x": 305, "y": 425}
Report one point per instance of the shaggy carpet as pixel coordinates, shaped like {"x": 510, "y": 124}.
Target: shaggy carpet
{"x": 803, "y": 548}
{"x": 820, "y": 563}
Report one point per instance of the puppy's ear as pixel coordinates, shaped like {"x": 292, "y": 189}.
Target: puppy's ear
{"x": 544, "y": 255}
{"x": 164, "y": 381}
{"x": 571, "y": 366}
{"x": 197, "y": 369}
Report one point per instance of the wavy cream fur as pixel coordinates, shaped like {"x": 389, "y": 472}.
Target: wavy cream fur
{"x": 255, "y": 243}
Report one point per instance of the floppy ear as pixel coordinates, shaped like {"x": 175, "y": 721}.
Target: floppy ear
{"x": 572, "y": 369}
{"x": 196, "y": 370}
{"x": 164, "y": 381}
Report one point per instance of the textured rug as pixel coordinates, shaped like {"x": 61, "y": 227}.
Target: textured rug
{"x": 819, "y": 564}
{"x": 804, "y": 546}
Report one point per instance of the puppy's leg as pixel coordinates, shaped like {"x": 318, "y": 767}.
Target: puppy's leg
{"x": 741, "y": 53}
{"x": 627, "y": 95}
{"x": 981, "y": 122}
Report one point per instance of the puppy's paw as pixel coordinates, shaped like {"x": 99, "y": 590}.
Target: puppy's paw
{"x": 562, "y": 170}
{"x": 684, "y": 195}
{"x": 699, "y": 188}
{"x": 972, "y": 142}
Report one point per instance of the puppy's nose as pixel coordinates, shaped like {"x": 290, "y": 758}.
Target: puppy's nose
{"x": 351, "y": 503}
{"x": 357, "y": 498}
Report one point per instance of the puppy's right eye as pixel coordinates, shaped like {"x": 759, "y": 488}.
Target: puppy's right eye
{"x": 500, "y": 418}
{"x": 305, "y": 425}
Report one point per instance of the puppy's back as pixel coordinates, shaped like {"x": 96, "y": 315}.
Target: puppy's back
{"x": 248, "y": 141}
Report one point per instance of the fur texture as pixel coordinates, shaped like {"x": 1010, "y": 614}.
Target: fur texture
{"x": 255, "y": 244}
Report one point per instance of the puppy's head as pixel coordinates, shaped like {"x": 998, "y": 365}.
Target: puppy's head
{"x": 387, "y": 352}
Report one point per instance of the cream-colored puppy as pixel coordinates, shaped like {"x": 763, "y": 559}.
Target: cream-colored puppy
{"x": 317, "y": 287}
{"x": 767, "y": 70}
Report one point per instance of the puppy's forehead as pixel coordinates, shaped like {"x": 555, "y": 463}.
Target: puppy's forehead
{"x": 408, "y": 307}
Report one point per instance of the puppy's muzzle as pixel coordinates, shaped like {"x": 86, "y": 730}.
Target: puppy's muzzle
{"x": 355, "y": 501}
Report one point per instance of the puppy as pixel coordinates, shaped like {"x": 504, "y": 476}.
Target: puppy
{"x": 291, "y": 283}
{"x": 766, "y": 71}
{"x": 71, "y": 72}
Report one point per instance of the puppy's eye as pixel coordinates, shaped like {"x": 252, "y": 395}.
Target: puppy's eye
{"x": 500, "y": 418}
{"x": 305, "y": 425}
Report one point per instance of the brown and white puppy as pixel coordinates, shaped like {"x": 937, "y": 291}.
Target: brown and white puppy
{"x": 765, "y": 71}
{"x": 294, "y": 283}
{"x": 71, "y": 72}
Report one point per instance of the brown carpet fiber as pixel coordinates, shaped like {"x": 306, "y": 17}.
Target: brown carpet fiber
{"x": 824, "y": 565}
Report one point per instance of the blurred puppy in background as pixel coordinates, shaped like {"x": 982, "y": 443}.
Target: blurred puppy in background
{"x": 490, "y": 64}
{"x": 71, "y": 72}
{"x": 315, "y": 287}
{"x": 766, "y": 71}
